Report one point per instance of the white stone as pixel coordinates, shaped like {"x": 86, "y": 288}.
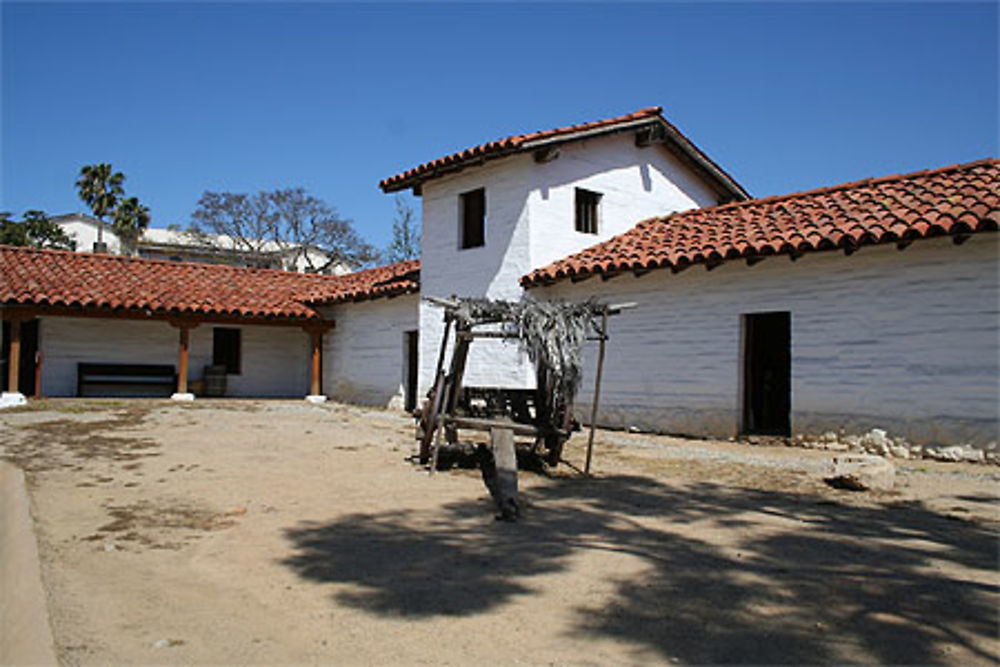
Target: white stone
{"x": 12, "y": 399}
{"x": 316, "y": 398}
{"x": 899, "y": 452}
{"x": 182, "y": 397}
{"x": 862, "y": 472}
{"x": 939, "y": 453}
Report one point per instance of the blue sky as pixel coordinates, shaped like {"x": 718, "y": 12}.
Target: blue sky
{"x": 184, "y": 98}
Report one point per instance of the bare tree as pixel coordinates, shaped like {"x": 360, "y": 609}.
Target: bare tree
{"x": 405, "y": 233}
{"x": 289, "y": 226}
{"x": 244, "y": 220}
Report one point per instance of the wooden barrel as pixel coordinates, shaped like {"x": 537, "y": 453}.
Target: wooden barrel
{"x": 215, "y": 380}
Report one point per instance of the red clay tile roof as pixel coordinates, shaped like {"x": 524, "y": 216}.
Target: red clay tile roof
{"x": 391, "y": 280}
{"x": 61, "y": 278}
{"x": 649, "y": 116}
{"x": 959, "y": 199}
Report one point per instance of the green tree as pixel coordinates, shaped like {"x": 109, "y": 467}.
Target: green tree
{"x": 405, "y": 233}
{"x": 129, "y": 222}
{"x": 35, "y": 230}
{"x": 100, "y": 187}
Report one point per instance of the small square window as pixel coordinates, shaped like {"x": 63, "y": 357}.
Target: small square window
{"x": 226, "y": 349}
{"x": 472, "y": 232}
{"x": 587, "y": 204}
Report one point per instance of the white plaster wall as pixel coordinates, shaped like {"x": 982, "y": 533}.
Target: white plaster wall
{"x": 492, "y": 270}
{"x": 901, "y": 340}
{"x": 636, "y": 183}
{"x": 275, "y": 360}
{"x": 364, "y": 355}
{"x": 85, "y": 234}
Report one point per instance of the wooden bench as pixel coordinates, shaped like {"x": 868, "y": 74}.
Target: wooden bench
{"x": 141, "y": 380}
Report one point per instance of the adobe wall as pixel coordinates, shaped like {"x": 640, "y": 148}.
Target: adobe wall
{"x": 904, "y": 341}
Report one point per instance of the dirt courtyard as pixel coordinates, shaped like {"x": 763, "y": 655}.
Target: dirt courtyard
{"x": 283, "y": 532}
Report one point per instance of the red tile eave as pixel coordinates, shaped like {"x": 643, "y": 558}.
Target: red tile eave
{"x": 956, "y": 200}
{"x": 523, "y": 142}
{"x": 68, "y": 281}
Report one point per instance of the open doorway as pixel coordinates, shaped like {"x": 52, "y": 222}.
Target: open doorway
{"x": 767, "y": 362}
{"x": 26, "y": 376}
{"x": 410, "y": 364}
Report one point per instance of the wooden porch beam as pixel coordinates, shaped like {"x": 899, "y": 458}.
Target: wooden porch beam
{"x": 32, "y": 311}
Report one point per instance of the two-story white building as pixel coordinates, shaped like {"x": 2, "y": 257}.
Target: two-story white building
{"x": 839, "y": 338}
{"x": 864, "y": 305}
{"x": 494, "y": 213}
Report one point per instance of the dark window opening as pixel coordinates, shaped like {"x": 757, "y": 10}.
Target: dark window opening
{"x": 587, "y": 204}
{"x": 473, "y": 230}
{"x": 226, "y": 349}
{"x": 767, "y": 387}
{"x": 411, "y": 355}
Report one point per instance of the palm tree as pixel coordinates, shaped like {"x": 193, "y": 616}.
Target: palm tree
{"x": 131, "y": 219}
{"x": 100, "y": 188}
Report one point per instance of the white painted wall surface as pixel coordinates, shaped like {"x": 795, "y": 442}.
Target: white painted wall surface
{"x": 530, "y": 211}
{"x": 635, "y": 184}
{"x": 275, "y": 360}
{"x": 905, "y": 340}
{"x": 85, "y": 234}
{"x": 492, "y": 270}
{"x": 364, "y": 355}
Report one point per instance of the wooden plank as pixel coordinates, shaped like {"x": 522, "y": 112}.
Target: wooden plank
{"x": 489, "y": 424}
{"x": 597, "y": 392}
{"x": 505, "y": 461}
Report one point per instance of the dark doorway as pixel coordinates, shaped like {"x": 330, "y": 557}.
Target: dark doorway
{"x": 767, "y": 365}
{"x": 410, "y": 342}
{"x": 29, "y": 351}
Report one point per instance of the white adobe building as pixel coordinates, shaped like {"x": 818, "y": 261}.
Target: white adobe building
{"x": 837, "y": 340}
{"x": 180, "y": 246}
{"x": 859, "y": 306}
{"x": 496, "y": 212}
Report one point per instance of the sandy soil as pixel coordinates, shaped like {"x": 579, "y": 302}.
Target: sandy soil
{"x": 281, "y": 532}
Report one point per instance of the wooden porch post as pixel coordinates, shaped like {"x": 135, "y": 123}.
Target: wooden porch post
{"x": 183, "y": 348}
{"x": 13, "y": 396}
{"x": 316, "y": 338}
{"x": 182, "y": 362}
{"x": 14, "y": 362}
{"x": 316, "y": 332}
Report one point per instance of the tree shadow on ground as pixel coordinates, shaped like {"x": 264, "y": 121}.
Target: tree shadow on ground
{"x": 797, "y": 579}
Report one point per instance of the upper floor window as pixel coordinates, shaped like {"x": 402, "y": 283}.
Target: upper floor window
{"x": 587, "y": 204}
{"x": 472, "y": 225}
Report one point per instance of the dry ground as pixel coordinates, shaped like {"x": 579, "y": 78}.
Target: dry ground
{"x": 279, "y": 532}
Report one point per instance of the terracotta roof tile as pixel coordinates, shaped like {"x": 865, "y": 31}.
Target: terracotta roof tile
{"x": 61, "y": 278}
{"x": 958, "y": 199}
{"x": 524, "y": 142}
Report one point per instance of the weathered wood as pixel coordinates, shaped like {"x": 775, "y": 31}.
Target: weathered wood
{"x": 476, "y": 424}
{"x": 316, "y": 346}
{"x": 14, "y": 360}
{"x": 505, "y": 462}
{"x": 597, "y": 392}
{"x": 182, "y": 362}
{"x": 432, "y": 418}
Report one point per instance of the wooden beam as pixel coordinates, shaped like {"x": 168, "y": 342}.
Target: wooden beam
{"x": 546, "y": 154}
{"x": 31, "y": 311}
{"x": 14, "y": 360}
{"x": 316, "y": 344}
{"x": 182, "y": 361}
{"x": 597, "y": 390}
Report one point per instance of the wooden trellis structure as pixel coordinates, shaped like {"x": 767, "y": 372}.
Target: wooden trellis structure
{"x": 450, "y": 406}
